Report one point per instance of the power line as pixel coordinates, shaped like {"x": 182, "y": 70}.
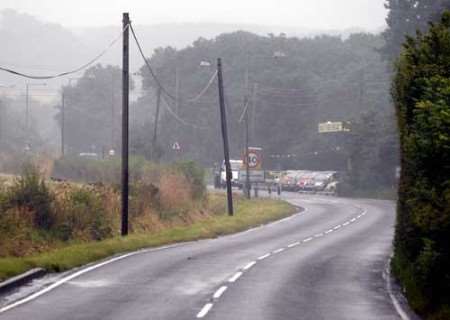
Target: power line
{"x": 208, "y": 85}
{"x": 181, "y": 120}
{"x": 47, "y": 77}
{"x": 149, "y": 67}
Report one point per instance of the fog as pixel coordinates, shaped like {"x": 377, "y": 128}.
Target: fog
{"x": 310, "y": 14}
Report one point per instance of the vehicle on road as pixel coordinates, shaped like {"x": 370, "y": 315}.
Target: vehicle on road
{"x": 235, "y": 167}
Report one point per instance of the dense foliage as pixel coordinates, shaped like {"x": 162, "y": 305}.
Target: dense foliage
{"x": 422, "y": 98}
{"x": 407, "y": 16}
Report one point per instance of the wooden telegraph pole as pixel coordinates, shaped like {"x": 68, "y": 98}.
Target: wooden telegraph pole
{"x": 226, "y": 150}
{"x": 125, "y": 124}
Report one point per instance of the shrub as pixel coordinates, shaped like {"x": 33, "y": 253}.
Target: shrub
{"x": 82, "y": 215}
{"x": 195, "y": 176}
{"x": 422, "y": 97}
{"x": 30, "y": 192}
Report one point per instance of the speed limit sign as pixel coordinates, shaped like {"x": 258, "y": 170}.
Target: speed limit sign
{"x": 254, "y": 159}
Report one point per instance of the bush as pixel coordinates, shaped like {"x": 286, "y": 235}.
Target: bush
{"x": 195, "y": 176}
{"x": 422, "y": 240}
{"x": 30, "y": 192}
{"x": 82, "y": 215}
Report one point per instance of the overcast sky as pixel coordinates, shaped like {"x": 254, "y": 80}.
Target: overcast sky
{"x": 312, "y": 14}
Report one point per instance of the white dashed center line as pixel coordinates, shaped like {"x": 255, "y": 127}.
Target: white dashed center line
{"x": 292, "y": 245}
{"x": 204, "y": 310}
{"x": 264, "y": 256}
{"x": 219, "y": 292}
{"x": 248, "y": 266}
{"x": 279, "y": 250}
{"x": 236, "y": 276}
{"x": 207, "y": 307}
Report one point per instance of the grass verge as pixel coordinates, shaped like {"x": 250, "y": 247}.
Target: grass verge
{"x": 248, "y": 213}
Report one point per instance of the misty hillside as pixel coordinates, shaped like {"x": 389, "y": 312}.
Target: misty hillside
{"x": 38, "y": 47}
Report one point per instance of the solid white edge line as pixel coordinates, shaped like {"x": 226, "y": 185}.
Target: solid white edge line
{"x": 328, "y": 231}
{"x": 346, "y": 224}
{"x": 403, "y": 315}
{"x": 307, "y": 239}
{"x": 236, "y": 276}
{"x": 205, "y": 310}
{"x": 62, "y": 281}
{"x": 337, "y": 227}
{"x": 278, "y": 250}
{"x": 319, "y": 235}
{"x": 219, "y": 292}
{"x": 264, "y": 256}
{"x": 248, "y": 266}
{"x": 353, "y": 220}
{"x": 81, "y": 272}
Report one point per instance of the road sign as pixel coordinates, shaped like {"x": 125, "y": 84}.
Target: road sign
{"x": 255, "y": 176}
{"x": 176, "y": 146}
{"x": 254, "y": 159}
{"x": 330, "y": 127}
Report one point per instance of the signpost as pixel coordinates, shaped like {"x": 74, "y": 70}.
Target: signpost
{"x": 255, "y": 168}
{"x": 331, "y": 127}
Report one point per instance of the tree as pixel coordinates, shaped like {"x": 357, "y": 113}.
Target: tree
{"x": 406, "y": 17}
{"x": 422, "y": 241}
{"x": 299, "y": 83}
{"x": 92, "y": 110}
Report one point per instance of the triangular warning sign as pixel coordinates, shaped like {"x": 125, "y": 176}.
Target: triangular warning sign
{"x": 176, "y": 146}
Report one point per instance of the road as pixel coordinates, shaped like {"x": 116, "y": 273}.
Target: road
{"x": 323, "y": 263}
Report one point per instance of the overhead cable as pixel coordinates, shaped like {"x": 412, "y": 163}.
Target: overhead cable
{"x": 84, "y": 66}
{"x": 177, "y": 117}
{"x": 150, "y": 67}
{"x": 210, "y": 82}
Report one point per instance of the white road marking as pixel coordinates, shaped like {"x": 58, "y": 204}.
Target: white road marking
{"x": 294, "y": 244}
{"x": 346, "y": 224}
{"x": 337, "y": 227}
{"x": 353, "y": 220}
{"x": 278, "y": 250}
{"x": 319, "y": 235}
{"x": 248, "y": 266}
{"x": 264, "y": 256}
{"x": 219, "y": 292}
{"x": 205, "y": 310}
{"x": 329, "y": 231}
{"x": 236, "y": 276}
{"x": 81, "y": 272}
{"x": 307, "y": 239}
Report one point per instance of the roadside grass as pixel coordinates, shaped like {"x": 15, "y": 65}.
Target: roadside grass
{"x": 248, "y": 214}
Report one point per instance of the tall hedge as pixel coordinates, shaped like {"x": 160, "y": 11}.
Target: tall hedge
{"x": 421, "y": 92}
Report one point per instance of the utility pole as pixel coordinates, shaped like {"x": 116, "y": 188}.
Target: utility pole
{"x": 63, "y": 121}
{"x": 125, "y": 124}
{"x": 155, "y": 127}
{"x": 226, "y": 151}
{"x": 112, "y": 111}
{"x": 254, "y": 99}
{"x": 246, "y": 101}
{"x": 27, "y": 113}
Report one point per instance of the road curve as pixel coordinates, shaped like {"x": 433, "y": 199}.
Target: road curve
{"x": 324, "y": 263}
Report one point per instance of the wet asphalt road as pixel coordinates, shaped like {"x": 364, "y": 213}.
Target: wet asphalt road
{"x": 324, "y": 263}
